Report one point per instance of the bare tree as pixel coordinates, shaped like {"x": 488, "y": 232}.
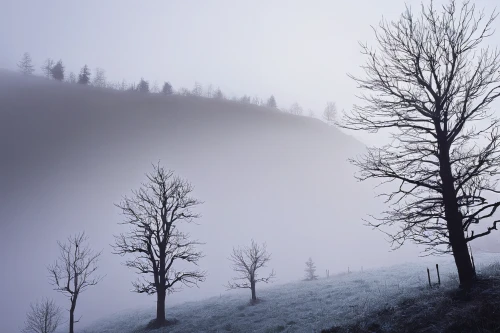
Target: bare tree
{"x": 197, "y": 89}
{"x": 245, "y": 99}
{"x": 246, "y": 262}
{"x": 26, "y": 65}
{"x": 330, "y": 113}
{"x": 310, "y": 270}
{"x": 154, "y": 214}
{"x": 155, "y": 89}
{"x": 184, "y": 92}
{"x": 99, "y": 78}
{"x": 296, "y": 109}
{"x": 74, "y": 271}
{"x": 44, "y": 317}
{"x": 123, "y": 85}
{"x": 210, "y": 91}
{"x": 271, "y": 102}
{"x": 72, "y": 78}
{"x": 47, "y": 68}
{"x": 431, "y": 84}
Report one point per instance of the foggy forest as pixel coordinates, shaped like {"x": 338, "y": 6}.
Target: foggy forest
{"x": 267, "y": 166}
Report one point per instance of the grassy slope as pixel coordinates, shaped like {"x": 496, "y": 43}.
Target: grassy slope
{"x": 391, "y": 299}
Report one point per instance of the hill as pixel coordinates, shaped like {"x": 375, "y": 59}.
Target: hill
{"x": 70, "y": 152}
{"x": 390, "y": 299}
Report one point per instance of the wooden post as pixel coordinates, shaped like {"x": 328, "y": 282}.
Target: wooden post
{"x": 439, "y": 277}
{"x": 429, "y": 277}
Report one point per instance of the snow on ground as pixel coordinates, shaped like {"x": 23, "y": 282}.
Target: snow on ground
{"x": 302, "y": 306}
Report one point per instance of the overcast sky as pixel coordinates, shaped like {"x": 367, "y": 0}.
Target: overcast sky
{"x": 297, "y": 50}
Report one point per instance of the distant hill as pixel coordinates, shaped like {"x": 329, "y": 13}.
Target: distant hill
{"x": 69, "y": 152}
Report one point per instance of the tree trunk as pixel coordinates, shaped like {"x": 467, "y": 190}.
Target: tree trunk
{"x": 454, "y": 223}
{"x": 160, "y": 306}
{"x": 71, "y": 318}
{"x": 252, "y": 286}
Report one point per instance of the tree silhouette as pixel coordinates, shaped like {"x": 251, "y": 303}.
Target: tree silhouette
{"x": 47, "y": 68}
{"x": 154, "y": 214}
{"x": 271, "y": 102}
{"x": 143, "y": 86}
{"x": 43, "y": 317}
{"x": 330, "y": 113}
{"x": 246, "y": 262}
{"x": 84, "y": 76}
{"x": 57, "y": 71}
{"x": 167, "y": 89}
{"x": 25, "y": 65}
{"x": 218, "y": 94}
{"x": 296, "y": 109}
{"x": 430, "y": 84}
{"x": 74, "y": 271}
{"x": 99, "y": 78}
{"x": 310, "y": 270}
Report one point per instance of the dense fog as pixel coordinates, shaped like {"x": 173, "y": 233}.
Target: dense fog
{"x": 261, "y": 174}
{"x": 69, "y": 153}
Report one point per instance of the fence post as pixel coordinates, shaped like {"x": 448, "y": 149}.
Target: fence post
{"x": 429, "y": 277}
{"x": 439, "y": 277}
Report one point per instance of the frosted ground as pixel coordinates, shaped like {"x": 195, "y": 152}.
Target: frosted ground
{"x": 301, "y": 306}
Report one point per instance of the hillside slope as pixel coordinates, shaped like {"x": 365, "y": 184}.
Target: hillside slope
{"x": 70, "y": 152}
{"x": 311, "y": 306}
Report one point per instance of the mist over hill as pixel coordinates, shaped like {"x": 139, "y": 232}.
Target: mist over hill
{"x": 69, "y": 152}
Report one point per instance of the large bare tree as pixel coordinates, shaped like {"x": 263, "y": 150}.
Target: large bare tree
{"x": 154, "y": 240}
{"x": 431, "y": 83}
{"x": 44, "y": 317}
{"x": 246, "y": 261}
{"x": 74, "y": 271}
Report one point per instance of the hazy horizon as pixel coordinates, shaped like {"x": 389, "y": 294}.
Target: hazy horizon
{"x": 300, "y": 52}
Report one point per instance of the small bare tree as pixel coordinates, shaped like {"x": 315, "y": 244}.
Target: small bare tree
{"x": 154, "y": 239}
{"x": 47, "y": 68}
{"x": 246, "y": 261}
{"x": 155, "y": 89}
{"x": 330, "y": 113}
{"x": 197, "y": 89}
{"x": 310, "y": 270}
{"x": 210, "y": 91}
{"x": 99, "y": 78}
{"x": 74, "y": 271}
{"x": 43, "y": 317}
{"x": 296, "y": 109}
{"x": 26, "y": 65}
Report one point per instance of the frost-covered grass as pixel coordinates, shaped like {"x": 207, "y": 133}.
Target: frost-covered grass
{"x": 302, "y": 306}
